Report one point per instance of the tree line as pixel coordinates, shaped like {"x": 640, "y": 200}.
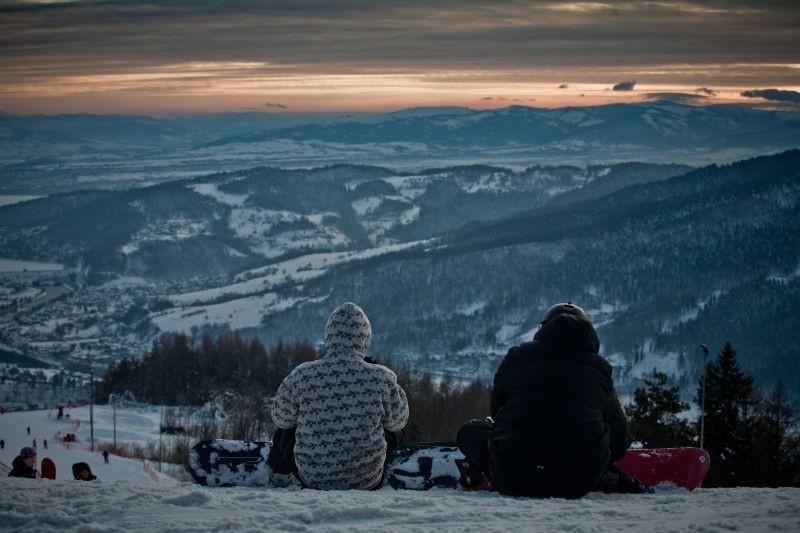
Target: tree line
{"x": 181, "y": 370}
{"x": 752, "y": 437}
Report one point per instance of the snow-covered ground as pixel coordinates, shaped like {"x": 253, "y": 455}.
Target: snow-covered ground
{"x": 126, "y": 498}
{"x": 42, "y": 505}
{"x": 13, "y": 265}
{"x": 133, "y": 426}
{"x": 250, "y": 300}
{"x": 9, "y": 199}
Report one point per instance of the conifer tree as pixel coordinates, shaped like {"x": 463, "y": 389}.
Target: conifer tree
{"x": 730, "y": 418}
{"x": 778, "y": 422}
{"x": 654, "y": 415}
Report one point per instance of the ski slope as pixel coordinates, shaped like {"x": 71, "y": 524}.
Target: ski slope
{"x": 125, "y": 498}
{"x": 133, "y": 426}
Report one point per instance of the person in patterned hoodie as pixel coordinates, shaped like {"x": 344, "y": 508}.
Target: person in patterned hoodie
{"x": 337, "y": 416}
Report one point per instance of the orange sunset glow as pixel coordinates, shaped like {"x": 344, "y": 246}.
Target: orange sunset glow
{"x": 158, "y": 58}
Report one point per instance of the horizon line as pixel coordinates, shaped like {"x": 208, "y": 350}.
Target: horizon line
{"x": 762, "y": 104}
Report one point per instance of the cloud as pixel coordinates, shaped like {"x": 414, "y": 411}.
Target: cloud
{"x": 777, "y": 95}
{"x": 278, "y": 105}
{"x": 563, "y": 86}
{"x": 706, "y": 91}
{"x": 318, "y": 35}
{"x": 624, "y": 86}
{"x": 680, "y": 98}
{"x": 283, "y": 49}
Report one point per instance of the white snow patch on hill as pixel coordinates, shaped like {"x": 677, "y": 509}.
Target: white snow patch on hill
{"x": 687, "y": 315}
{"x": 379, "y": 226}
{"x": 212, "y": 190}
{"x": 252, "y": 223}
{"x": 410, "y": 187}
{"x": 288, "y": 241}
{"x": 292, "y": 271}
{"x": 13, "y": 265}
{"x": 250, "y": 297}
{"x": 243, "y": 312}
{"x": 362, "y": 206}
{"x": 176, "y": 228}
{"x": 778, "y": 278}
{"x": 9, "y": 199}
{"x": 472, "y": 308}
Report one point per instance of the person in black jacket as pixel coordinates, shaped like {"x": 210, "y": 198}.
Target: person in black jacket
{"x": 22, "y": 466}
{"x": 556, "y": 423}
{"x": 82, "y": 472}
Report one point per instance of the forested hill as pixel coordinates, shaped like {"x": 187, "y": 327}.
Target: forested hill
{"x": 708, "y": 256}
{"x": 452, "y": 265}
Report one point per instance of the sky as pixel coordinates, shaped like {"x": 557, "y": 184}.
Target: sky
{"x": 194, "y": 56}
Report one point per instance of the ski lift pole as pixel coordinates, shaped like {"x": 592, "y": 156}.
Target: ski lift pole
{"x": 160, "y": 437}
{"x": 704, "y": 349}
{"x": 91, "y": 408}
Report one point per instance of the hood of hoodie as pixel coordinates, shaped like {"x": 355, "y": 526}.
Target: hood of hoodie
{"x": 570, "y": 331}
{"x": 19, "y": 463}
{"x": 348, "y": 331}
{"x": 77, "y": 468}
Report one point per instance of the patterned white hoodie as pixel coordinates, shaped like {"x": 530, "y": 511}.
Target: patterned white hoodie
{"x": 340, "y": 405}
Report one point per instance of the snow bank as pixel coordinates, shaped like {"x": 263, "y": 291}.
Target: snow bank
{"x": 43, "y": 505}
{"x": 125, "y": 498}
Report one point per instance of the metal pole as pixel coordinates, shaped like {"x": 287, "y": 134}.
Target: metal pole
{"x": 160, "y": 434}
{"x": 91, "y": 407}
{"x": 704, "y": 349}
{"x": 114, "y": 410}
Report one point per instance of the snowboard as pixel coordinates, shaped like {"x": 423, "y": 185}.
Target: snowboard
{"x": 422, "y": 466}
{"x": 48, "y": 468}
{"x": 683, "y": 467}
{"x": 229, "y": 463}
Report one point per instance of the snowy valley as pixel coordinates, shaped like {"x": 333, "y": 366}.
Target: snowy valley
{"x": 453, "y": 265}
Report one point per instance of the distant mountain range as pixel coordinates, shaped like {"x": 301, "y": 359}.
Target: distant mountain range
{"x": 43, "y": 154}
{"x": 660, "y": 125}
{"x": 455, "y": 264}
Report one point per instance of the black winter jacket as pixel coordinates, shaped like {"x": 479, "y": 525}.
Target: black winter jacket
{"x": 558, "y": 422}
{"x": 76, "y": 471}
{"x": 20, "y": 469}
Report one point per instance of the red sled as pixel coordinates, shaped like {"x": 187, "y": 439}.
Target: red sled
{"x": 683, "y": 467}
{"x": 48, "y": 468}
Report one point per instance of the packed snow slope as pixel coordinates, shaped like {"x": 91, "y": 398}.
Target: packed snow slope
{"x": 43, "y": 505}
{"x": 137, "y": 426}
{"x": 126, "y": 498}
